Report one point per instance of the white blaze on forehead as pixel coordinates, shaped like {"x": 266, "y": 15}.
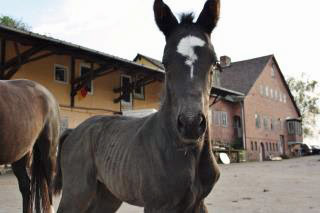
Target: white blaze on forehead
{"x": 186, "y": 48}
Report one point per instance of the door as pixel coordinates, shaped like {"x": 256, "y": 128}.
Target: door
{"x": 281, "y": 145}
{"x": 262, "y": 152}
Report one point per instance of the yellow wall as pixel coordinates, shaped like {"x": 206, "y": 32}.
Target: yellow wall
{"x": 100, "y": 102}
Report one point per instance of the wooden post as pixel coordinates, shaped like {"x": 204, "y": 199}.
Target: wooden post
{"x": 3, "y": 56}
{"x": 73, "y": 72}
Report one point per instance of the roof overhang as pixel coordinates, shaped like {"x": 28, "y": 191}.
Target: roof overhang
{"x": 294, "y": 142}
{"x": 226, "y": 93}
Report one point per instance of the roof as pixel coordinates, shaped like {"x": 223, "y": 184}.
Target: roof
{"x": 153, "y": 61}
{"x": 25, "y": 35}
{"x": 240, "y": 76}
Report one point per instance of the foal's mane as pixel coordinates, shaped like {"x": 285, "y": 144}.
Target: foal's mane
{"x": 186, "y": 18}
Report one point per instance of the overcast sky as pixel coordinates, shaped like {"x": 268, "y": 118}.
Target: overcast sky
{"x": 289, "y": 29}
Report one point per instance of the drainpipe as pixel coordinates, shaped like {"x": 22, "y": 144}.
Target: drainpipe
{"x": 243, "y": 120}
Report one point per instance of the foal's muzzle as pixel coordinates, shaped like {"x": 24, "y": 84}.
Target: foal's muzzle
{"x": 191, "y": 126}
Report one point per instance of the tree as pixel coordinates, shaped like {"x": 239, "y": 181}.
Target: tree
{"x": 11, "y": 22}
{"x": 307, "y": 99}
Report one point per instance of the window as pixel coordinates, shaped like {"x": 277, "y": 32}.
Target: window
{"x": 261, "y": 90}
{"x": 224, "y": 119}
{"x": 138, "y": 92}
{"x": 294, "y": 127}
{"x": 280, "y": 97}
{"x": 276, "y": 95}
{"x": 60, "y": 73}
{"x": 291, "y": 127}
{"x": 85, "y": 69}
{"x": 220, "y": 118}
{"x": 272, "y": 127}
{"x": 126, "y": 101}
{"x": 272, "y": 70}
{"x": 252, "y": 145}
{"x": 216, "y": 118}
{"x": 284, "y": 98}
{"x": 266, "y": 123}
{"x": 277, "y": 148}
{"x": 256, "y": 145}
{"x": 271, "y": 93}
{"x": 267, "y": 91}
{"x": 258, "y": 122}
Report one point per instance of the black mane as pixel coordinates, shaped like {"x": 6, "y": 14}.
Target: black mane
{"x": 186, "y": 18}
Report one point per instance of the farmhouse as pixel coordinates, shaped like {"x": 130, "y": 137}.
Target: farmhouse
{"x": 252, "y": 107}
{"x": 84, "y": 81}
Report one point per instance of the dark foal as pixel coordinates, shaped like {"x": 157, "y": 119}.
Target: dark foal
{"x": 160, "y": 162}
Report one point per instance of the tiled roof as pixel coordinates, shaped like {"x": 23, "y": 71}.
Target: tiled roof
{"x": 240, "y": 76}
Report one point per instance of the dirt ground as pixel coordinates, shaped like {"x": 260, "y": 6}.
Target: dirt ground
{"x": 288, "y": 186}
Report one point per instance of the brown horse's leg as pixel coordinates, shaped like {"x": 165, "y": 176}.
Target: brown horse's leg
{"x": 104, "y": 201}
{"x": 20, "y": 170}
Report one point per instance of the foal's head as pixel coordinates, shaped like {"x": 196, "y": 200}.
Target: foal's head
{"x": 188, "y": 59}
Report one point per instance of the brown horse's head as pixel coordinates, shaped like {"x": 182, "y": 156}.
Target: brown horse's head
{"x": 188, "y": 59}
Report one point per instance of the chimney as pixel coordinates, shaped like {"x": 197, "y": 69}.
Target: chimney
{"x": 225, "y": 61}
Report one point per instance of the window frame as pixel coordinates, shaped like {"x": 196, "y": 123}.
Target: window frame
{"x": 139, "y": 96}
{"x": 83, "y": 65}
{"x": 257, "y": 120}
{"x": 125, "y": 103}
{"x": 66, "y": 74}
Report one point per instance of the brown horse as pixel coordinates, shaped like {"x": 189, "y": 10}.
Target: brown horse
{"x": 29, "y": 131}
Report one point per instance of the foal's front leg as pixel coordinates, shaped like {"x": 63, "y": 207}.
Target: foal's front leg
{"x": 200, "y": 208}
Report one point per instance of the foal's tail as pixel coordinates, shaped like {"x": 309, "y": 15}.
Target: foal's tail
{"x": 57, "y": 183}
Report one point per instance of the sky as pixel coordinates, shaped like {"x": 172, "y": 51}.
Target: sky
{"x": 289, "y": 29}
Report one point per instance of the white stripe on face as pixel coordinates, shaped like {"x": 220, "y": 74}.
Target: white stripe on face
{"x": 186, "y": 48}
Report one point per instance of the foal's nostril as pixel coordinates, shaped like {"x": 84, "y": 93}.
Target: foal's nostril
{"x": 188, "y": 120}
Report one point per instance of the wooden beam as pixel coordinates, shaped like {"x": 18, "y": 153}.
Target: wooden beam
{"x": 3, "y": 56}
{"x": 73, "y": 74}
{"x": 3, "y": 52}
{"x": 39, "y": 57}
{"x": 131, "y": 88}
{"x": 14, "y": 64}
{"x": 16, "y": 48}
{"x": 83, "y": 80}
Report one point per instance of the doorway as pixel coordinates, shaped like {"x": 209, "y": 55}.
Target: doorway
{"x": 262, "y": 156}
{"x": 281, "y": 145}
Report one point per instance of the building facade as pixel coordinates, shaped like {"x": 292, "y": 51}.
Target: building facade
{"x": 266, "y": 121}
{"x": 84, "y": 82}
{"x": 252, "y": 108}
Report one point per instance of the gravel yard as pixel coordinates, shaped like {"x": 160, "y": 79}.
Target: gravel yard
{"x": 278, "y": 187}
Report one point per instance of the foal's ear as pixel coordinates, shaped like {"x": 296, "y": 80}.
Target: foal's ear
{"x": 165, "y": 19}
{"x": 209, "y": 15}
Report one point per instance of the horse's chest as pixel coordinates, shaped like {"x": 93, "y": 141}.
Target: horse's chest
{"x": 171, "y": 183}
